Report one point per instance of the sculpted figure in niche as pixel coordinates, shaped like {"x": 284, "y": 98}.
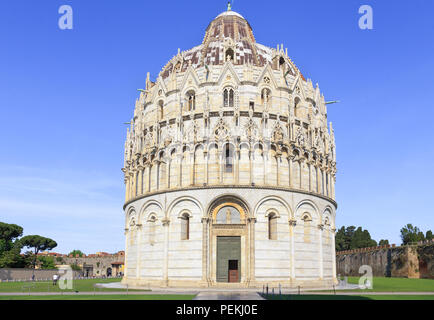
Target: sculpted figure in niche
{"x": 278, "y": 135}
{"x": 300, "y": 137}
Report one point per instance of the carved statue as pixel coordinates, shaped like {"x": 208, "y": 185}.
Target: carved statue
{"x": 228, "y": 216}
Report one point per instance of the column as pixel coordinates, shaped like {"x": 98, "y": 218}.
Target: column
{"x": 265, "y": 156}
{"x": 292, "y": 224}
{"x": 139, "y": 237}
{"x": 321, "y": 267}
{"x": 180, "y": 157}
{"x": 126, "y": 253}
{"x": 333, "y": 231}
{"x": 205, "y": 228}
{"x": 310, "y": 177}
{"x": 140, "y": 182}
{"x": 290, "y": 172}
{"x": 221, "y": 164}
{"x": 252, "y": 222}
{"x": 192, "y": 161}
{"x": 205, "y": 154}
{"x": 127, "y": 196}
{"x": 250, "y": 167}
{"x": 237, "y": 166}
{"x": 278, "y": 159}
{"x": 166, "y": 223}
{"x": 167, "y": 173}
{"x": 131, "y": 191}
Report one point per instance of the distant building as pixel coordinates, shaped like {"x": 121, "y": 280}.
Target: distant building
{"x": 99, "y": 264}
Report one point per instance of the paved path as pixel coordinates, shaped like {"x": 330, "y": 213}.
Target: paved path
{"x": 232, "y": 295}
{"x": 208, "y": 294}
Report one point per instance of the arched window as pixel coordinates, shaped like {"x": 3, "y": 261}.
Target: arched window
{"x": 265, "y": 96}
{"x": 297, "y": 107}
{"x": 307, "y": 227}
{"x": 185, "y": 226}
{"x": 229, "y": 55}
{"x": 228, "y": 97}
{"x": 191, "y": 100}
{"x": 272, "y": 226}
{"x": 228, "y": 215}
{"x": 228, "y": 158}
{"x": 152, "y": 226}
{"x": 282, "y": 63}
{"x": 160, "y": 110}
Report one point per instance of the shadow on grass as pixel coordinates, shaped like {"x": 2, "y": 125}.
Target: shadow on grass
{"x": 297, "y": 297}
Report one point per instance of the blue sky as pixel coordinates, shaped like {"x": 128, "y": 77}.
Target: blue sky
{"x": 65, "y": 94}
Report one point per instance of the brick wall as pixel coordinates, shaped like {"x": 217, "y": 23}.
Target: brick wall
{"x": 414, "y": 261}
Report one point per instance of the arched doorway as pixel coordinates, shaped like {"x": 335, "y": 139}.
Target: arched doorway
{"x": 109, "y": 272}
{"x": 230, "y": 250}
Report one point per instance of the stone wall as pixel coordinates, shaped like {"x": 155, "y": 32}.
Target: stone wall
{"x": 15, "y": 274}
{"x": 415, "y": 261}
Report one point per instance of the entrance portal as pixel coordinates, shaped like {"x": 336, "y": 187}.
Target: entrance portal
{"x": 228, "y": 259}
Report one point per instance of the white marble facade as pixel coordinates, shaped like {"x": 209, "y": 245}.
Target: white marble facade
{"x": 230, "y": 124}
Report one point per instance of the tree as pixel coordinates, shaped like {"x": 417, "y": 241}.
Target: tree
{"x": 75, "y": 252}
{"x": 348, "y": 238}
{"x": 37, "y": 243}
{"x": 429, "y": 235}
{"x": 10, "y": 247}
{"x": 75, "y": 267}
{"x": 383, "y": 242}
{"x": 340, "y": 240}
{"x": 411, "y": 234}
{"x": 344, "y": 237}
{"x": 12, "y": 259}
{"x": 8, "y": 234}
{"x": 46, "y": 262}
{"x": 361, "y": 239}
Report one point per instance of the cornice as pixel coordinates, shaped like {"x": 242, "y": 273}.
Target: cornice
{"x": 190, "y": 188}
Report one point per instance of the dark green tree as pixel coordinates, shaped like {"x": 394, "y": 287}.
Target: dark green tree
{"x": 38, "y": 244}
{"x": 348, "y": 238}
{"x": 46, "y": 262}
{"x": 8, "y": 235}
{"x": 12, "y": 259}
{"x": 75, "y": 252}
{"x": 410, "y": 234}
{"x": 340, "y": 240}
{"x": 429, "y": 235}
{"x": 10, "y": 247}
{"x": 383, "y": 242}
{"x": 345, "y": 236}
{"x": 361, "y": 239}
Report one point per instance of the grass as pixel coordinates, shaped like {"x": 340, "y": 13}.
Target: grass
{"x": 381, "y": 284}
{"x": 102, "y": 297}
{"x": 81, "y": 285}
{"x": 345, "y": 297}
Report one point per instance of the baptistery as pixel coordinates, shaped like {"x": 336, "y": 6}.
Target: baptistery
{"x": 230, "y": 170}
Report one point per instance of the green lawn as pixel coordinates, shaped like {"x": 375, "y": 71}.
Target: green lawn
{"x": 102, "y": 297}
{"x": 397, "y": 284}
{"x": 344, "y": 297}
{"x": 83, "y": 285}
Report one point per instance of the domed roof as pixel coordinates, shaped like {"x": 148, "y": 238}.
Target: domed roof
{"x": 230, "y": 13}
{"x": 228, "y": 36}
